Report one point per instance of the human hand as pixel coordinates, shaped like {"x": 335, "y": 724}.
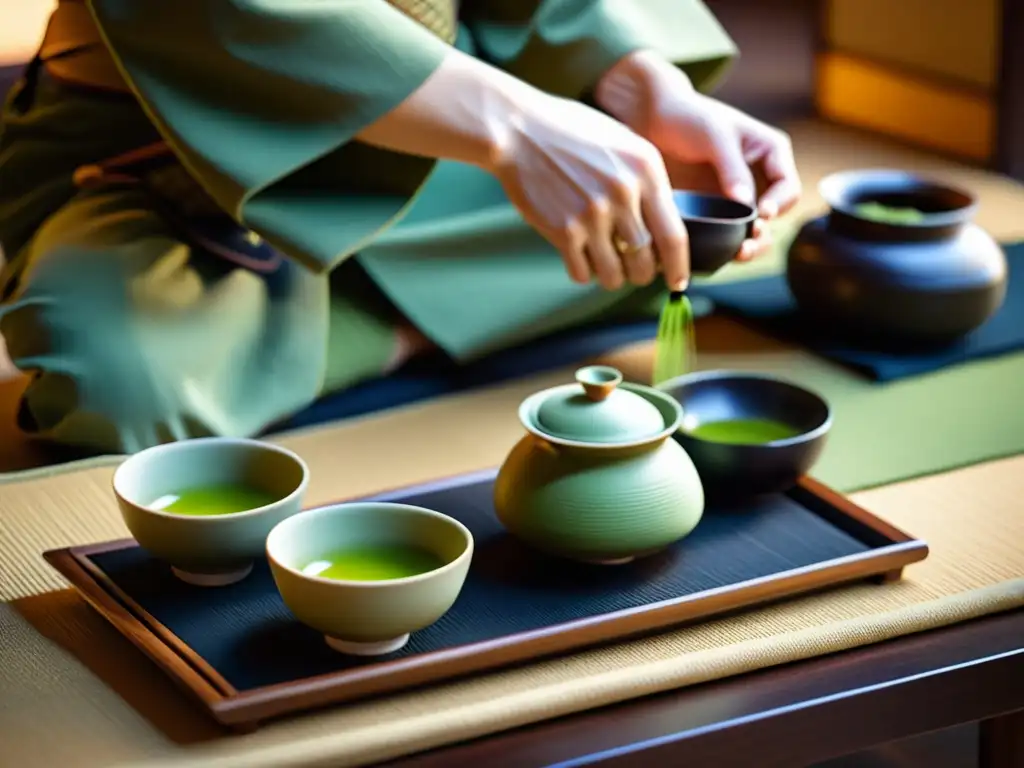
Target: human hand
{"x": 598, "y": 191}
{"x": 707, "y": 145}
{"x": 592, "y": 187}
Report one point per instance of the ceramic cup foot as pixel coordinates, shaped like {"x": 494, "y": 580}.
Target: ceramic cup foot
{"x": 217, "y": 579}
{"x": 353, "y": 648}
{"x": 614, "y": 561}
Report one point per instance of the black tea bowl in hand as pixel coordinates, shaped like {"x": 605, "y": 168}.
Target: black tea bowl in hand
{"x": 717, "y": 227}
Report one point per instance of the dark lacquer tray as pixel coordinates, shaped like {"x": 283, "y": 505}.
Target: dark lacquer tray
{"x": 239, "y": 650}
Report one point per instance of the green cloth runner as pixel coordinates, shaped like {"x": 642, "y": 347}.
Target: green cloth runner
{"x": 885, "y": 433}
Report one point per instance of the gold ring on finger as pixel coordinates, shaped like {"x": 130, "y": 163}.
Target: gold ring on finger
{"x": 623, "y": 247}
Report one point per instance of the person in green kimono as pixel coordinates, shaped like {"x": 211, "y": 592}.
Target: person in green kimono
{"x": 214, "y": 212}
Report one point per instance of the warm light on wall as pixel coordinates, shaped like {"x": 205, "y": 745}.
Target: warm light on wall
{"x": 21, "y": 30}
{"x": 871, "y": 96}
{"x": 919, "y": 70}
{"x": 956, "y": 41}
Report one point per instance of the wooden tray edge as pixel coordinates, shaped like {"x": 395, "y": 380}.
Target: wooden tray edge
{"x": 850, "y": 509}
{"x": 243, "y": 709}
{"x": 389, "y": 677}
{"x": 104, "y": 596}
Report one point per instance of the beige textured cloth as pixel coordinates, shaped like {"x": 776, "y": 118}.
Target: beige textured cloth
{"x": 439, "y": 16}
{"x": 73, "y": 693}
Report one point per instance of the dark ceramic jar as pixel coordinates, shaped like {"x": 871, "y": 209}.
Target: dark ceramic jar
{"x": 929, "y": 279}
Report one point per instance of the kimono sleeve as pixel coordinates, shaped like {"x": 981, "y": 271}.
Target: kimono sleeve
{"x": 564, "y": 46}
{"x": 262, "y": 99}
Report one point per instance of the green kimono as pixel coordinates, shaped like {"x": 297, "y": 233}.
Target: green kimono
{"x": 134, "y": 338}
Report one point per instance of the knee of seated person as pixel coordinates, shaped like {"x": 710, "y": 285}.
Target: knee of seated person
{"x": 91, "y": 385}
{"x": 86, "y": 398}
{"x": 49, "y": 413}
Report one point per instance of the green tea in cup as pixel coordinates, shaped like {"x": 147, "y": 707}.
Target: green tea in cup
{"x": 888, "y": 214}
{"x": 211, "y": 500}
{"x": 373, "y": 563}
{"x": 205, "y": 506}
{"x": 743, "y": 431}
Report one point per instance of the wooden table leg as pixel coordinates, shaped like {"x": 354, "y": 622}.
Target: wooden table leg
{"x": 1001, "y": 741}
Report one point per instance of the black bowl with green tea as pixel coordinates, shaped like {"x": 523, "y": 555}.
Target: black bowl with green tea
{"x": 742, "y": 431}
{"x": 748, "y": 434}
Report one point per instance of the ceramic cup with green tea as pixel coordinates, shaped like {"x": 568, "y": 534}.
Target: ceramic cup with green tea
{"x": 367, "y": 574}
{"x": 205, "y": 506}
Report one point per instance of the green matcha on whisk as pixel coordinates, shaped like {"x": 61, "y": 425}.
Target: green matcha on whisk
{"x": 674, "y": 346}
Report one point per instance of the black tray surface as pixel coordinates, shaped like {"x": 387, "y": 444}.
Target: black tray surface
{"x": 245, "y": 632}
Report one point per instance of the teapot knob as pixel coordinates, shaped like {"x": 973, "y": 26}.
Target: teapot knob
{"x": 598, "y": 381}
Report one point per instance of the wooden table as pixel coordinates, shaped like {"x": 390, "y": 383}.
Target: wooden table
{"x": 797, "y": 714}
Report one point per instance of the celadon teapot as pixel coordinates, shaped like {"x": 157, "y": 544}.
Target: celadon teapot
{"x": 598, "y": 477}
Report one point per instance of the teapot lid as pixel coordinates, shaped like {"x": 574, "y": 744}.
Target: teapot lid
{"x": 597, "y": 411}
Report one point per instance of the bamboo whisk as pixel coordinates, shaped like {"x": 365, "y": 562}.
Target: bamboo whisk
{"x": 674, "y": 347}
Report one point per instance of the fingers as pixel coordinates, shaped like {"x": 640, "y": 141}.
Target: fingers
{"x": 570, "y": 239}
{"x": 611, "y": 241}
{"x": 619, "y": 246}
{"x": 615, "y": 221}
{"x": 574, "y": 254}
{"x": 604, "y": 259}
{"x": 634, "y": 241}
{"x": 640, "y": 265}
{"x": 729, "y": 163}
{"x": 779, "y": 198}
{"x": 784, "y": 187}
{"x": 759, "y": 244}
{"x": 668, "y": 233}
